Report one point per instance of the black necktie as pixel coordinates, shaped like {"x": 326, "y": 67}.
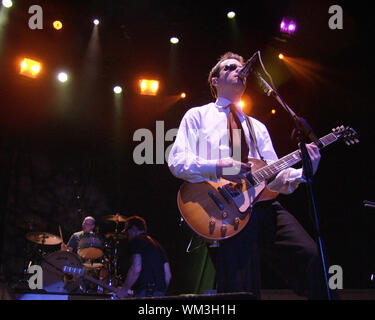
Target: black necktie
{"x": 235, "y": 131}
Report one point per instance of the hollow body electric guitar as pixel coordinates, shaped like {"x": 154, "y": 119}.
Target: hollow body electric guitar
{"x": 220, "y": 210}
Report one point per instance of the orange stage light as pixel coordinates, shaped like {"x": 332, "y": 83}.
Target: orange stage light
{"x": 30, "y": 68}
{"x": 57, "y": 25}
{"x": 149, "y": 87}
{"x": 183, "y": 95}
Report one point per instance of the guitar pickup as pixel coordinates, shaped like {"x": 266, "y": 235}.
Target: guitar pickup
{"x": 216, "y": 200}
{"x": 250, "y": 178}
{"x": 230, "y": 189}
{"x": 225, "y": 195}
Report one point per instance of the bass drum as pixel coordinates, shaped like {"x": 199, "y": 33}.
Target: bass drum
{"x": 54, "y": 278}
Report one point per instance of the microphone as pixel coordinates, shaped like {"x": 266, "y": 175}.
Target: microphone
{"x": 248, "y": 67}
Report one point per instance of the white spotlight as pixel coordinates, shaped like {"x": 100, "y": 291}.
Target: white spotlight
{"x": 7, "y": 3}
{"x": 174, "y": 40}
{"x": 231, "y": 14}
{"x": 96, "y": 22}
{"x": 62, "y": 77}
{"x": 117, "y": 89}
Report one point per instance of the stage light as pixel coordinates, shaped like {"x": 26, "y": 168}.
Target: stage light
{"x": 231, "y": 14}
{"x": 241, "y": 104}
{"x": 281, "y": 56}
{"x": 288, "y": 25}
{"x": 273, "y": 111}
{"x": 117, "y": 89}
{"x": 96, "y": 22}
{"x": 62, "y": 77}
{"x": 174, "y": 40}
{"x": 292, "y": 27}
{"x": 148, "y": 87}
{"x": 57, "y": 25}
{"x": 7, "y": 3}
{"x": 183, "y": 95}
{"x": 30, "y": 68}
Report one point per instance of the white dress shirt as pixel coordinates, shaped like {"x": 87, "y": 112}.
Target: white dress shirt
{"x": 202, "y": 140}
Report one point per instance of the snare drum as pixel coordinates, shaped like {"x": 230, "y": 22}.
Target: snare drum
{"x": 90, "y": 246}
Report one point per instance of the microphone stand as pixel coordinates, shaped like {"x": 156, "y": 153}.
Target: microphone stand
{"x": 301, "y": 132}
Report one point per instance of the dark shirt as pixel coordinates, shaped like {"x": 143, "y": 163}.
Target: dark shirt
{"x": 76, "y": 238}
{"x": 153, "y": 260}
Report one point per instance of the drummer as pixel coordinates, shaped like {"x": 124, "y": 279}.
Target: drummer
{"x": 88, "y": 226}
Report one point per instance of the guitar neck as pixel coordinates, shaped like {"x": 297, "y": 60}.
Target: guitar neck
{"x": 81, "y": 272}
{"x": 289, "y": 160}
{"x": 99, "y": 283}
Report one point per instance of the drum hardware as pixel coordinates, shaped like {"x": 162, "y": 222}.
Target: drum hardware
{"x": 115, "y": 236}
{"x": 90, "y": 256}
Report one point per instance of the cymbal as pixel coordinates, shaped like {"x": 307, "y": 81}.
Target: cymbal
{"x": 115, "y": 218}
{"x": 43, "y": 238}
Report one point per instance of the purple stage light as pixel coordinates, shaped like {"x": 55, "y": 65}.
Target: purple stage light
{"x": 288, "y": 26}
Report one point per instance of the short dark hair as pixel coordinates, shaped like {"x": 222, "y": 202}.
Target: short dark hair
{"x": 137, "y": 221}
{"x": 215, "y": 71}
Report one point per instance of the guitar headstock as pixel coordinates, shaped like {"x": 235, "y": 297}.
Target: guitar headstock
{"x": 73, "y": 270}
{"x": 347, "y": 134}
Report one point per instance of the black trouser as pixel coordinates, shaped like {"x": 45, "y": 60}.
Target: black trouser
{"x": 282, "y": 239}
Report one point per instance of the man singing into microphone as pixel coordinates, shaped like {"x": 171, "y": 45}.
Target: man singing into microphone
{"x": 214, "y": 128}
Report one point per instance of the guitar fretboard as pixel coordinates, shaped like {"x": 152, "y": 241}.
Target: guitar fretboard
{"x": 289, "y": 160}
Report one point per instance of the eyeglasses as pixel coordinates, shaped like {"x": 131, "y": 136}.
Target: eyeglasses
{"x": 230, "y": 67}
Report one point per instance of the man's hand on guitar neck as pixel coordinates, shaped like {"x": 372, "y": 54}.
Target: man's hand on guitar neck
{"x": 315, "y": 156}
{"x": 232, "y": 170}
{"x": 123, "y": 292}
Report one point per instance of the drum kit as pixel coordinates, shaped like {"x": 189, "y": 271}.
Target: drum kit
{"x": 97, "y": 254}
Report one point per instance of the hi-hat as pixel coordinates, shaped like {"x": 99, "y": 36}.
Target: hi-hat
{"x": 43, "y": 238}
{"x": 115, "y": 218}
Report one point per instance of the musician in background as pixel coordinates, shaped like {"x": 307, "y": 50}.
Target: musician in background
{"x": 88, "y": 226}
{"x": 204, "y": 151}
{"x": 149, "y": 274}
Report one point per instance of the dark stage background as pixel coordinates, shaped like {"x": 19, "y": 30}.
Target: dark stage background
{"x": 67, "y": 151}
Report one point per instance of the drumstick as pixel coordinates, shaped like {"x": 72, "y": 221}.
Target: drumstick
{"x": 61, "y": 236}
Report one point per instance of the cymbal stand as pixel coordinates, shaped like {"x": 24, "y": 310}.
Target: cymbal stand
{"x": 35, "y": 254}
{"x": 116, "y": 278}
